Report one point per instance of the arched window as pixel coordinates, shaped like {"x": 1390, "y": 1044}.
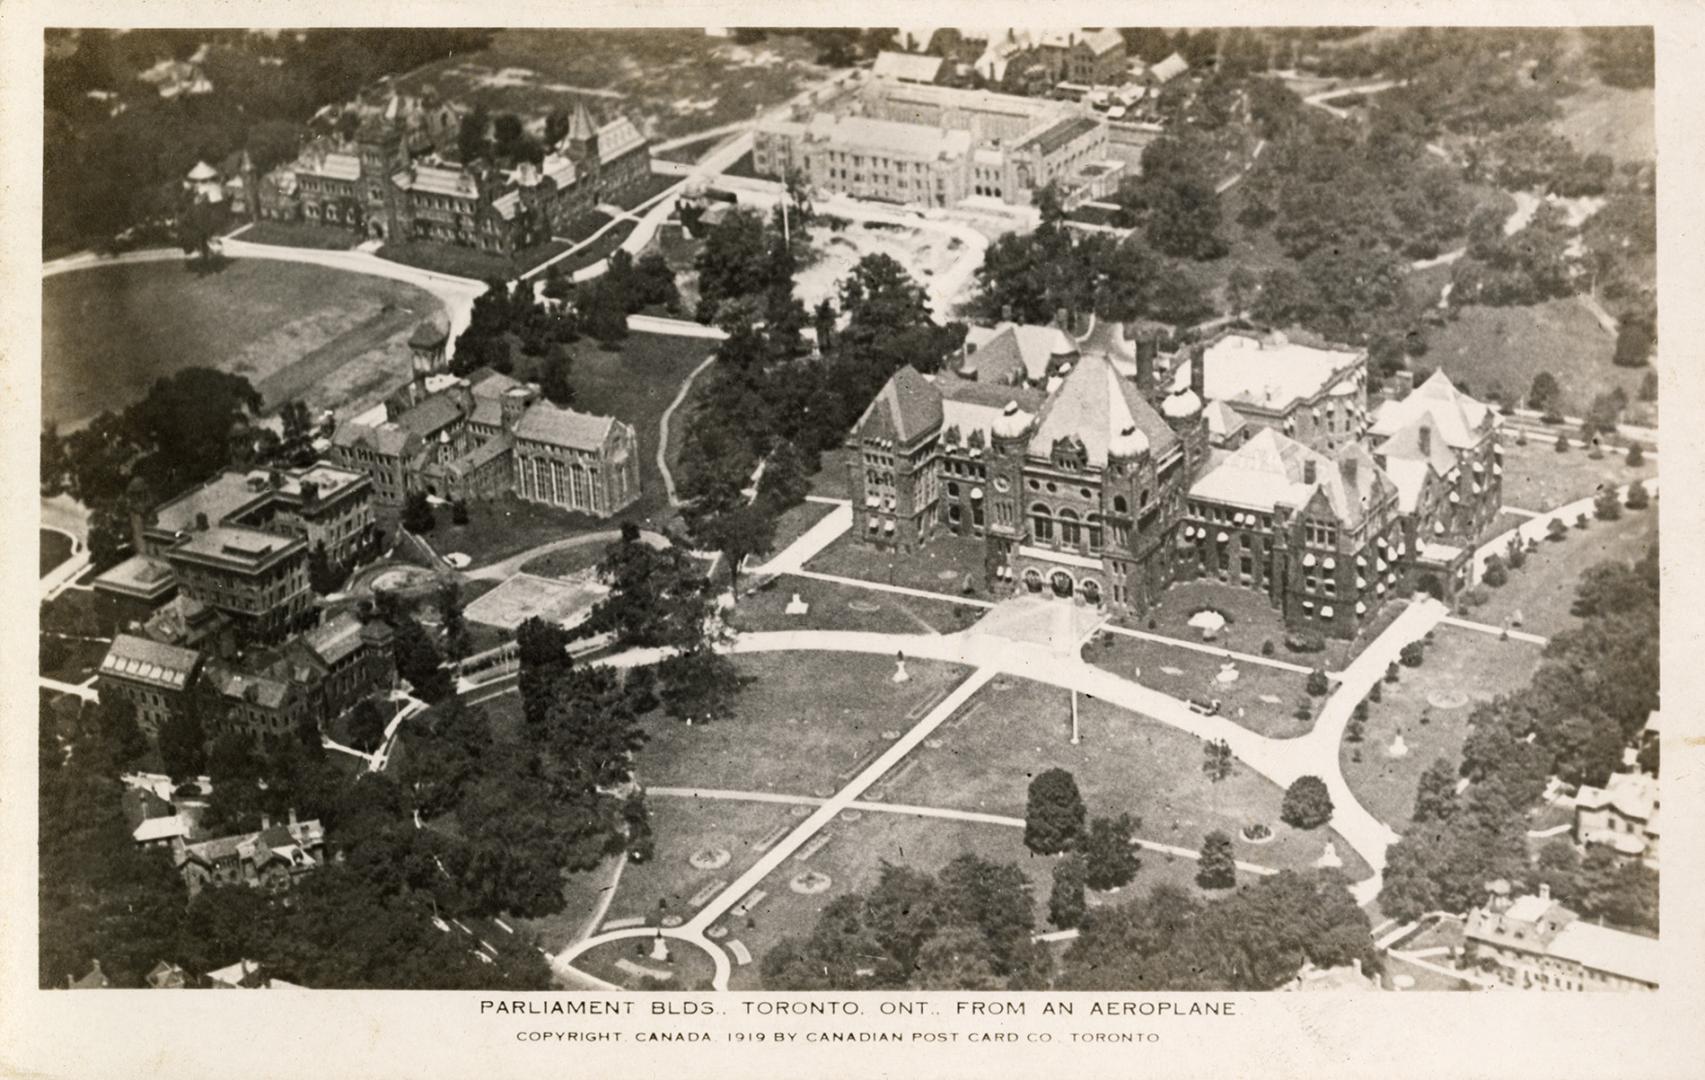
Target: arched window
{"x": 1070, "y": 532}
{"x": 953, "y": 489}
{"x": 1095, "y": 532}
{"x": 1041, "y": 523}
{"x": 1120, "y": 506}
{"x": 1144, "y": 498}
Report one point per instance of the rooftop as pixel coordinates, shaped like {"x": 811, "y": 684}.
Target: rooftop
{"x": 1061, "y": 133}
{"x": 1614, "y": 951}
{"x": 546, "y": 423}
{"x": 907, "y": 67}
{"x": 1459, "y": 419}
{"x": 140, "y": 575}
{"x": 147, "y": 661}
{"x": 1001, "y": 352}
{"x": 907, "y": 406}
{"x": 231, "y": 543}
{"x": 891, "y": 137}
{"x": 1095, "y": 405}
{"x": 1269, "y": 374}
{"x": 1270, "y": 470}
{"x": 1633, "y": 795}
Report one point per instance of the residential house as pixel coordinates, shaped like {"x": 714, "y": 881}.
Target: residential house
{"x": 1535, "y": 943}
{"x": 1622, "y": 815}
{"x": 272, "y": 858}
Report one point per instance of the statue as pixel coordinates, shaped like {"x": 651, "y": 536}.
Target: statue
{"x": 900, "y": 675}
{"x": 660, "y": 948}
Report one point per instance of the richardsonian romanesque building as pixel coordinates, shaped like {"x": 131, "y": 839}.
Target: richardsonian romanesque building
{"x": 1102, "y": 475}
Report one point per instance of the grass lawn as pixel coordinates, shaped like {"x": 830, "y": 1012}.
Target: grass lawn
{"x": 682, "y": 827}
{"x": 668, "y": 81}
{"x": 1502, "y": 348}
{"x": 565, "y": 561}
{"x": 806, "y": 725}
{"x": 70, "y": 660}
{"x": 585, "y": 224}
{"x": 581, "y": 893}
{"x": 796, "y": 522}
{"x": 1425, "y": 978}
{"x": 468, "y": 262}
{"x": 1092, "y": 215}
{"x": 846, "y": 607}
{"x": 830, "y": 479}
{"x": 1241, "y": 701}
{"x": 85, "y": 613}
{"x": 1457, "y": 659}
{"x": 501, "y": 527}
{"x": 689, "y": 966}
{"x": 1537, "y": 477}
{"x": 1252, "y": 622}
{"x": 56, "y": 547}
{"x": 1544, "y": 588}
{"x": 595, "y": 251}
{"x": 108, "y": 333}
{"x": 1013, "y": 729}
{"x": 300, "y": 234}
{"x": 1609, "y": 120}
{"x": 654, "y": 185}
{"x": 941, "y": 565}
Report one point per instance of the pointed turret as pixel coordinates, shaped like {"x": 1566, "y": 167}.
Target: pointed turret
{"x": 582, "y": 140}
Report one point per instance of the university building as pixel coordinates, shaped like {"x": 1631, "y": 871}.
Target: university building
{"x": 1100, "y": 471}
{"x": 912, "y": 142}
{"x": 487, "y": 435}
{"x": 1535, "y": 943}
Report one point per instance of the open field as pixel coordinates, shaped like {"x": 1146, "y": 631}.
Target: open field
{"x": 300, "y": 234}
{"x": 804, "y": 727}
{"x": 1460, "y": 665}
{"x": 834, "y": 606}
{"x": 1544, "y": 588}
{"x": 501, "y": 527}
{"x": 467, "y": 262}
{"x": 669, "y": 82}
{"x": 1252, "y": 622}
{"x": 924, "y": 253}
{"x": 1013, "y": 729}
{"x": 1610, "y": 120}
{"x": 1243, "y": 701}
{"x": 796, "y": 521}
{"x": 330, "y": 337}
{"x": 830, "y": 479}
{"x": 1503, "y": 348}
{"x": 56, "y": 547}
{"x": 682, "y": 827}
{"x": 565, "y": 561}
{"x": 1537, "y": 477}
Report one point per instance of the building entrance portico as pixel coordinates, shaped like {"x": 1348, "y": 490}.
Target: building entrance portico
{"x": 1062, "y": 584}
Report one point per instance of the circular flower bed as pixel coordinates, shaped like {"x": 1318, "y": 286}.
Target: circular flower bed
{"x": 1447, "y": 699}
{"x": 710, "y": 858}
{"x": 801, "y": 811}
{"x": 863, "y": 606}
{"x": 811, "y": 883}
{"x": 851, "y": 815}
{"x": 716, "y": 933}
{"x": 671, "y": 921}
{"x": 1257, "y": 833}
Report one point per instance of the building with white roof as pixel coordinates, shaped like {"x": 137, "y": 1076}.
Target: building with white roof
{"x": 1622, "y": 815}
{"x": 1315, "y": 396}
{"x": 1535, "y": 943}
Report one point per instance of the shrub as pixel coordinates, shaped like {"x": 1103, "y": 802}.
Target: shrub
{"x": 1376, "y": 695}
{"x": 1474, "y": 598}
{"x": 1521, "y": 438}
{"x": 1267, "y": 647}
{"x": 1065, "y": 902}
{"x": 1636, "y": 456}
{"x": 1307, "y": 805}
{"x": 1607, "y": 507}
{"x": 1557, "y": 531}
{"x": 1518, "y": 554}
{"x": 1637, "y": 497}
{"x": 1595, "y": 454}
{"x": 1217, "y": 869}
{"x": 1304, "y": 710}
{"x": 1317, "y": 685}
{"x": 1412, "y": 654}
{"x": 1495, "y": 574}
{"x": 1305, "y": 641}
{"x": 1360, "y": 712}
{"x": 1353, "y": 732}
{"x": 459, "y": 512}
{"x": 1053, "y": 814}
{"x": 1391, "y": 672}
{"x": 1580, "y": 521}
{"x": 1151, "y": 623}
{"x": 1109, "y": 860}
{"x": 1562, "y": 446}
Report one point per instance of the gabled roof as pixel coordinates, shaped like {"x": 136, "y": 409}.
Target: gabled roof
{"x": 907, "y": 406}
{"x": 161, "y": 828}
{"x": 907, "y": 67}
{"x": 1104, "y": 40}
{"x": 1633, "y": 795}
{"x": 618, "y": 137}
{"x": 1170, "y": 68}
{"x": 1018, "y": 348}
{"x": 334, "y": 639}
{"x": 387, "y": 440}
{"x": 975, "y": 406}
{"x": 1461, "y": 420}
{"x": 1269, "y": 373}
{"x": 546, "y": 423}
{"x": 580, "y": 126}
{"x": 1223, "y": 420}
{"x": 147, "y": 661}
{"x": 1270, "y": 470}
{"x": 1095, "y": 405}
{"x": 1614, "y": 951}
{"x": 432, "y": 415}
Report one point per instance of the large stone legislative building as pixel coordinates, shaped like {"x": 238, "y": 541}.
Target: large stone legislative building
{"x": 1101, "y": 471}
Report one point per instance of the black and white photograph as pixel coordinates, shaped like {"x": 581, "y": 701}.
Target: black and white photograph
{"x": 674, "y": 515}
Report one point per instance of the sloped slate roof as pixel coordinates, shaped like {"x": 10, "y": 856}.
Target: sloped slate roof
{"x": 546, "y": 423}
{"x": 907, "y": 406}
{"x": 1096, "y": 405}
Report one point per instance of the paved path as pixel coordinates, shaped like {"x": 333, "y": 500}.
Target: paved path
{"x": 79, "y": 690}
{"x": 1535, "y": 528}
{"x": 1495, "y": 631}
{"x": 1204, "y": 647}
{"x": 506, "y": 568}
{"x": 663, "y": 428}
{"x": 1319, "y": 100}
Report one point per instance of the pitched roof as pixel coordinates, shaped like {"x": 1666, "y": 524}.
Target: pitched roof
{"x": 1633, "y": 795}
{"x": 455, "y": 182}
{"x": 1223, "y": 420}
{"x": 255, "y": 689}
{"x": 1460, "y": 419}
{"x": 149, "y": 661}
{"x": 975, "y": 406}
{"x": 546, "y": 423}
{"x": 1271, "y": 373}
{"x": 1269, "y": 470}
{"x": 1061, "y": 133}
{"x": 907, "y": 406}
{"x": 334, "y": 639}
{"x": 891, "y": 137}
{"x": 580, "y": 126}
{"x": 387, "y": 440}
{"x": 1094, "y": 404}
{"x": 1615, "y": 951}
{"x": 1170, "y": 68}
{"x": 432, "y": 415}
{"x": 1016, "y": 348}
{"x": 160, "y": 828}
{"x": 1104, "y": 40}
{"x": 907, "y": 67}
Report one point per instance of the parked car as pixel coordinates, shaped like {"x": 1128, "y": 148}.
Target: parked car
{"x": 1204, "y": 705}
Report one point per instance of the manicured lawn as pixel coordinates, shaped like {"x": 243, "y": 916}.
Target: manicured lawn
{"x": 566, "y": 561}
{"x": 1252, "y": 622}
{"x": 581, "y": 894}
{"x": 796, "y": 521}
{"x": 690, "y": 967}
{"x": 1537, "y": 477}
{"x": 941, "y": 565}
{"x": 846, "y": 607}
{"x": 501, "y": 527}
{"x": 70, "y": 660}
{"x": 654, "y": 185}
{"x": 56, "y": 546}
{"x": 683, "y": 826}
{"x": 596, "y": 250}
{"x": 1544, "y": 588}
{"x": 805, "y": 725}
{"x": 468, "y": 262}
{"x": 830, "y": 479}
{"x": 108, "y": 333}
{"x": 300, "y": 234}
{"x": 1197, "y": 676}
{"x": 1013, "y": 729}
{"x": 1460, "y": 665}
{"x": 668, "y": 81}
{"x": 585, "y": 225}
{"x": 1503, "y": 348}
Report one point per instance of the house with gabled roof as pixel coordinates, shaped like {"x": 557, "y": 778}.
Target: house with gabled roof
{"x": 272, "y": 858}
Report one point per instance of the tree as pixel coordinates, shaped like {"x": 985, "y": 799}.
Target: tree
{"x": 1412, "y": 654}
{"x": 1053, "y": 814}
{"x": 1633, "y": 345}
{"x": 1495, "y": 574}
{"x": 418, "y": 661}
{"x": 698, "y": 685}
{"x": 786, "y": 481}
{"x": 553, "y": 378}
{"x": 736, "y": 533}
{"x": 1649, "y": 386}
{"x": 366, "y": 725}
{"x": 471, "y": 135}
{"x": 1435, "y": 796}
{"x": 183, "y": 745}
{"x": 1636, "y": 456}
{"x": 1562, "y": 443}
{"x": 109, "y": 539}
{"x": 1391, "y": 672}
{"x": 1217, "y": 760}
{"x": 418, "y": 515}
{"x": 542, "y": 658}
{"x": 1317, "y": 685}
{"x": 1637, "y": 497}
{"x": 1217, "y": 868}
{"x": 198, "y": 229}
{"x": 1307, "y": 804}
{"x": 458, "y": 511}
{"x": 1545, "y": 395}
{"x": 1108, "y": 856}
{"x": 1065, "y": 901}
{"x": 1607, "y": 507}
{"x": 324, "y": 577}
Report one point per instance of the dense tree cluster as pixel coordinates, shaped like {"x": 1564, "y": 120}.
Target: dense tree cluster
{"x": 106, "y": 168}
{"x": 1589, "y": 698}
{"x": 1254, "y": 939}
{"x": 967, "y": 927}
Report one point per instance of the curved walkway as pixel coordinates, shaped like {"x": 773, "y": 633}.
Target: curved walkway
{"x": 498, "y": 571}
{"x": 663, "y": 428}
{"x": 1536, "y": 527}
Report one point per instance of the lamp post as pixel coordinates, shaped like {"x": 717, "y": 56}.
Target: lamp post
{"x": 1074, "y": 718}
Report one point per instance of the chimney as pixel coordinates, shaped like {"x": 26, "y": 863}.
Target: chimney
{"x": 1147, "y": 347}
{"x": 1545, "y": 892}
{"x": 1425, "y": 437}
{"x": 1199, "y": 372}
{"x": 200, "y": 521}
{"x": 1349, "y": 466}
{"x": 1401, "y": 384}
{"x": 293, "y": 821}
{"x": 265, "y": 822}
{"x": 1308, "y": 471}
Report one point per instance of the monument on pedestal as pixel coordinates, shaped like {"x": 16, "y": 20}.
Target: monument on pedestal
{"x": 660, "y": 948}
{"x": 796, "y": 606}
{"x": 900, "y": 668}
{"x": 1398, "y": 747}
{"x": 1329, "y": 859}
